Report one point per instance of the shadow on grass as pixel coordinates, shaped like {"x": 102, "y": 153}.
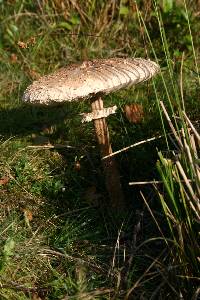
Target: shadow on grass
{"x": 23, "y": 120}
{"x": 135, "y": 165}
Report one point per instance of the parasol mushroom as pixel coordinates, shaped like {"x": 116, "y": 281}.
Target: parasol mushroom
{"x": 91, "y": 80}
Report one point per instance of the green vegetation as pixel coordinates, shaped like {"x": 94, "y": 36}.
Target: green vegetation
{"x": 59, "y": 239}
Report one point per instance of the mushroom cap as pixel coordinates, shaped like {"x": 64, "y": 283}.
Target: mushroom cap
{"x": 84, "y": 81}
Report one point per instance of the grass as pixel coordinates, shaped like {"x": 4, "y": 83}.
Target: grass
{"x": 58, "y": 238}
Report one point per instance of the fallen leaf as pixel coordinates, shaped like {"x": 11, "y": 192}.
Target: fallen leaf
{"x": 31, "y": 41}
{"x": 22, "y": 45}
{"x": 13, "y": 58}
{"x": 77, "y": 165}
{"x": 35, "y": 296}
{"x": 134, "y": 112}
{"x": 4, "y": 180}
{"x": 27, "y": 214}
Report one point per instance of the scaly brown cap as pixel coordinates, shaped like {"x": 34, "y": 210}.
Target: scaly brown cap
{"x": 86, "y": 80}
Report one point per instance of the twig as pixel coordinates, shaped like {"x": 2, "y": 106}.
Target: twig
{"x": 151, "y": 182}
{"x": 132, "y": 146}
{"x": 90, "y": 295}
{"x": 89, "y": 262}
{"x": 57, "y": 146}
{"x": 187, "y": 196}
{"x": 74, "y": 211}
{"x": 137, "y": 144}
{"x": 170, "y": 124}
{"x": 29, "y": 14}
{"x": 192, "y": 127}
{"x": 193, "y": 165}
{"x": 145, "y": 182}
{"x": 117, "y": 246}
{"x": 182, "y": 172}
{"x": 17, "y": 286}
{"x": 196, "y": 165}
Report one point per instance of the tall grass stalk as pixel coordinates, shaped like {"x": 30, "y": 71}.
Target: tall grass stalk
{"x": 192, "y": 42}
{"x": 181, "y": 206}
{"x": 180, "y": 197}
{"x": 141, "y": 21}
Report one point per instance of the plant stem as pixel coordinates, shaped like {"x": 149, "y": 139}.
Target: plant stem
{"x": 111, "y": 171}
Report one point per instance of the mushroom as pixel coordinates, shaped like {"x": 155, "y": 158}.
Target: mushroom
{"x": 91, "y": 80}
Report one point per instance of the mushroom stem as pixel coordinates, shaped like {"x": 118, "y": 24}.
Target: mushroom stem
{"x": 112, "y": 175}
